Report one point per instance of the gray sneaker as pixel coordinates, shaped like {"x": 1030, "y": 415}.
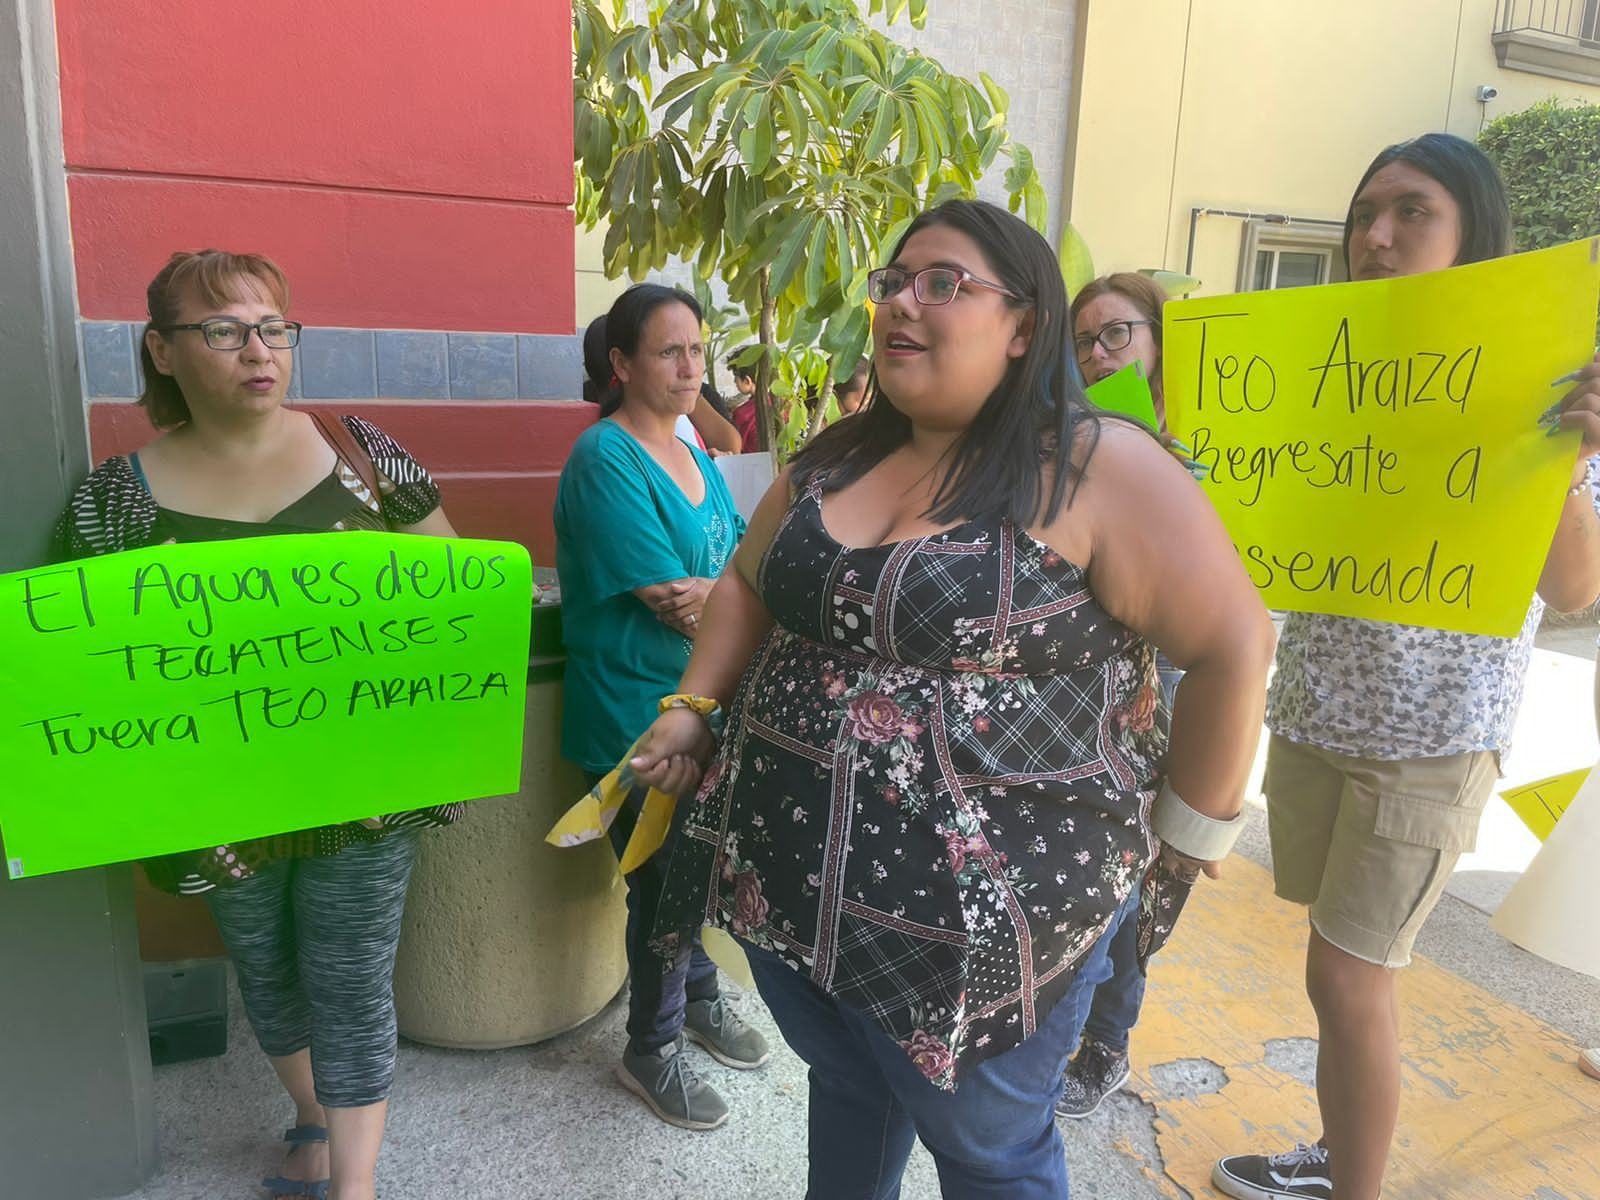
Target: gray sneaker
{"x": 714, "y": 1025}
{"x": 665, "y": 1081}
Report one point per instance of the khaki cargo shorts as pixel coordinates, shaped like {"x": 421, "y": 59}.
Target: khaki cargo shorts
{"x": 1369, "y": 844}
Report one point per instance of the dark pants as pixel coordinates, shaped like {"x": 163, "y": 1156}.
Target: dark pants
{"x": 993, "y": 1138}
{"x": 313, "y": 943}
{"x": 658, "y": 990}
{"x": 1114, "y": 990}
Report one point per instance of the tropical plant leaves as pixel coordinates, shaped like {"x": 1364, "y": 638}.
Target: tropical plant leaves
{"x": 781, "y": 145}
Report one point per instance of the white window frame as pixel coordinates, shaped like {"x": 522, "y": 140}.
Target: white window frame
{"x": 1326, "y": 240}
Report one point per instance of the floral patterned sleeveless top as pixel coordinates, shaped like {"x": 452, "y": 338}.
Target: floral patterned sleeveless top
{"x": 934, "y": 787}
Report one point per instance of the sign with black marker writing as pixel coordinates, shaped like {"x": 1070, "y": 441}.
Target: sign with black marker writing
{"x": 1373, "y": 447}
{"x": 182, "y": 696}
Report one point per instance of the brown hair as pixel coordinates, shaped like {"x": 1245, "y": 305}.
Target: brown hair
{"x": 1147, "y": 296}
{"x": 215, "y": 277}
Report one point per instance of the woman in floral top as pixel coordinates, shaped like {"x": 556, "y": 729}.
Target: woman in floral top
{"x": 939, "y": 776}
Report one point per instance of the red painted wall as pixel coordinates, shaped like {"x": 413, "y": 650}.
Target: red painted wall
{"x": 408, "y": 163}
{"x": 496, "y": 464}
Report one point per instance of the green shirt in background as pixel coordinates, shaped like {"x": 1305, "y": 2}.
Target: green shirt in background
{"x": 621, "y": 524}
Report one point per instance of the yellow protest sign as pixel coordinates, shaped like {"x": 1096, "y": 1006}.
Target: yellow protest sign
{"x": 1542, "y": 804}
{"x": 1373, "y": 447}
{"x": 182, "y": 696}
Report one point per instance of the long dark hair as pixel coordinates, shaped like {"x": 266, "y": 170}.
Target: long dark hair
{"x": 623, "y": 326}
{"x": 596, "y": 365}
{"x": 1473, "y": 182}
{"x": 997, "y": 465}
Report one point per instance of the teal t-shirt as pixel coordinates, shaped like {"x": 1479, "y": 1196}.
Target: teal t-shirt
{"x": 621, "y": 524}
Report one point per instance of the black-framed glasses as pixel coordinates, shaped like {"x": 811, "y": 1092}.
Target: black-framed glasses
{"x": 931, "y": 285}
{"x": 223, "y": 333}
{"x": 1113, "y": 336}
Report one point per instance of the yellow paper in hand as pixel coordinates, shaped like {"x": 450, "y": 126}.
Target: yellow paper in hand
{"x": 651, "y": 831}
{"x": 590, "y": 818}
{"x": 721, "y": 949}
{"x": 1542, "y": 804}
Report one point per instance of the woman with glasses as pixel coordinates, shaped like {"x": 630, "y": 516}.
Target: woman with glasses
{"x": 938, "y": 780}
{"x": 1116, "y": 320}
{"x": 311, "y": 918}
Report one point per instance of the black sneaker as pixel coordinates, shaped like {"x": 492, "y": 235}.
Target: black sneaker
{"x": 1093, "y": 1074}
{"x": 1302, "y": 1173}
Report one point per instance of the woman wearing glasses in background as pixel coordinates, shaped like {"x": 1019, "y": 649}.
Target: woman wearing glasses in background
{"x": 1116, "y": 321}
{"x": 935, "y": 785}
{"x": 311, "y": 918}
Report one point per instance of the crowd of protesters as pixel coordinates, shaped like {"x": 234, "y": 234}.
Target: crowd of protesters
{"x": 956, "y": 720}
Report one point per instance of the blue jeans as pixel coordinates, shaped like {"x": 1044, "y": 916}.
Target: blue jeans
{"x": 1114, "y": 983}
{"x": 994, "y": 1138}
{"x": 656, "y": 997}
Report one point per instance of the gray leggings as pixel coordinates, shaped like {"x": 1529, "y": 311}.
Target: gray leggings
{"x": 313, "y": 941}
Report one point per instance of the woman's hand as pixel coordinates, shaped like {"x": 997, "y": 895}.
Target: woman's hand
{"x": 1197, "y": 470}
{"x": 1578, "y": 410}
{"x": 1185, "y": 867}
{"x": 674, "y": 752}
{"x": 683, "y": 602}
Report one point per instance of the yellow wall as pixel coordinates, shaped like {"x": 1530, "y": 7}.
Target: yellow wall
{"x": 594, "y": 291}
{"x": 1264, "y": 105}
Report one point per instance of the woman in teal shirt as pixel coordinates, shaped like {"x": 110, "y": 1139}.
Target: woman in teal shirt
{"x": 644, "y": 525}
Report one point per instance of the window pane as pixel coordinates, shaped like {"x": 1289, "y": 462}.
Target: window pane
{"x": 1263, "y": 270}
{"x": 1300, "y": 269}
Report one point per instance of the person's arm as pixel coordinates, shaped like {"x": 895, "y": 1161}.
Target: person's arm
{"x": 435, "y": 524}
{"x": 1161, "y": 562}
{"x": 607, "y": 519}
{"x": 736, "y": 621}
{"x": 714, "y": 429}
{"x": 1571, "y": 576}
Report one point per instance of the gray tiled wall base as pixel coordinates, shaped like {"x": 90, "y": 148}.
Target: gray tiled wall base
{"x": 402, "y": 364}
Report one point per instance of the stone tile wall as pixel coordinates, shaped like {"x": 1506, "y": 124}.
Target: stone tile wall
{"x": 1026, "y": 47}
{"x": 361, "y": 364}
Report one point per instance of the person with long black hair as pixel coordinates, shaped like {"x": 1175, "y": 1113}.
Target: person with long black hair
{"x": 1386, "y": 738}
{"x": 946, "y": 760}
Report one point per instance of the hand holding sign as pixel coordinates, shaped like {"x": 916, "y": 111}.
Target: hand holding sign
{"x": 182, "y": 696}
{"x": 1579, "y": 410}
{"x": 1372, "y": 447}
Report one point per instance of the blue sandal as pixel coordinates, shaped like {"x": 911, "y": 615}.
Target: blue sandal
{"x": 317, "y": 1189}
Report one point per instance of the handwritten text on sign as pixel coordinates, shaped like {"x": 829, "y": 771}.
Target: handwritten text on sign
{"x": 1373, "y": 447}
{"x": 183, "y": 696}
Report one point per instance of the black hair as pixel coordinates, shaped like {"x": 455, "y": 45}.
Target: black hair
{"x": 1470, "y": 177}
{"x": 996, "y": 466}
{"x": 596, "y": 363}
{"x": 862, "y": 372}
{"x": 623, "y": 326}
{"x": 745, "y": 371}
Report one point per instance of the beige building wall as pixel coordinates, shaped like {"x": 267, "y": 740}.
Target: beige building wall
{"x": 1264, "y": 106}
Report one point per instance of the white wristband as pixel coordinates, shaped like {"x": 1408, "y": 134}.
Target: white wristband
{"x": 1193, "y": 833}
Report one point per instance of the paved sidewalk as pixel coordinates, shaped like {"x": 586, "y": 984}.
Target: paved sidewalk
{"x": 1493, "y": 1106}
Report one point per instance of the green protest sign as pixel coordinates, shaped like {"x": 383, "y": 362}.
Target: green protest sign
{"x": 182, "y": 696}
{"x": 1126, "y": 392}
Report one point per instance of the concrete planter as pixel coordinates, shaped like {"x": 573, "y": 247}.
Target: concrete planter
{"x": 508, "y": 940}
